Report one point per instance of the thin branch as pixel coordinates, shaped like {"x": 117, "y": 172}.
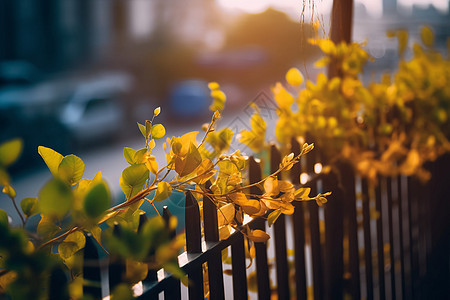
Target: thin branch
{"x": 17, "y": 209}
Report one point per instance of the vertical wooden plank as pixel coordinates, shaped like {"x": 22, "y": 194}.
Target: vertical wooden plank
{"x": 334, "y": 231}
{"x": 58, "y": 288}
{"x": 316, "y": 247}
{"x": 215, "y": 269}
{"x": 298, "y": 220}
{"x": 347, "y": 176}
{"x": 438, "y": 271}
{"x": 193, "y": 244}
{"x": 413, "y": 194}
{"x": 282, "y": 269}
{"x": 262, "y": 268}
{"x": 174, "y": 292}
{"x": 116, "y": 268}
{"x": 91, "y": 270}
{"x": 391, "y": 238}
{"x": 400, "y": 237}
{"x": 380, "y": 240}
{"x": 367, "y": 238}
{"x": 238, "y": 268}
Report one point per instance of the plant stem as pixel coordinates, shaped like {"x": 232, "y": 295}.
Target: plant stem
{"x": 17, "y": 209}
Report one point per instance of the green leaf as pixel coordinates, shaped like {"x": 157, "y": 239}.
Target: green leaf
{"x": 51, "y": 158}
{"x": 133, "y": 179}
{"x": 97, "y": 200}
{"x": 158, "y": 131}
{"x": 29, "y": 206}
{"x": 3, "y": 217}
{"x": 71, "y": 169}
{"x": 71, "y": 244}
{"x": 55, "y": 198}
{"x": 141, "y": 129}
{"x": 163, "y": 191}
{"x": 10, "y": 151}
{"x": 273, "y": 216}
{"x": 129, "y": 153}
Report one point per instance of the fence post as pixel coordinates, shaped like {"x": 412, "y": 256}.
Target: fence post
{"x": 193, "y": 245}
{"x": 262, "y": 268}
{"x": 211, "y": 229}
{"x": 298, "y": 220}
{"x": 280, "y": 237}
{"x": 91, "y": 270}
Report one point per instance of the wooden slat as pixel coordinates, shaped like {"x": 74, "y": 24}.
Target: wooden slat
{"x": 334, "y": 235}
{"x": 215, "y": 269}
{"x": 399, "y": 200}
{"x": 174, "y": 292}
{"x": 316, "y": 247}
{"x": 282, "y": 269}
{"x": 391, "y": 238}
{"x": 380, "y": 240}
{"x": 116, "y": 268}
{"x": 413, "y": 214}
{"x": 262, "y": 268}
{"x": 367, "y": 238}
{"x": 347, "y": 177}
{"x": 58, "y": 287}
{"x": 91, "y": 269}
{"x": 298, "y": 220}
{"x": 238, "y": 268}
{"x": 193, "y": 245}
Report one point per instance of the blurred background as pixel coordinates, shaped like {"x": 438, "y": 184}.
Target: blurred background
{"x": 76, "y": 75}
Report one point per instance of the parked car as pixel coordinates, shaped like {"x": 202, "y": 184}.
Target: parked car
{"x": 95, "y": 110}
{"x": 189, "y": 99}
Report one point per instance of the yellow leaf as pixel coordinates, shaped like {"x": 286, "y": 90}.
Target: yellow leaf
{"x": 7, "y": 189}
{"x": 71, "y": 244}
{"x": 10, "y": 151}
{"x": 213, "y": 86}
{"x": 157, "y": 111}
{"x": 258, "y": 236}
{"x": 271, "y": 186}
{"x": 71, "y": 169}
{"x": 158, "y": 131}
{"x": 427, "y": 36}
{"x": 283, "y": 98}
{"x": 294, "y": 77}
{"x": 51, "y": 158}
{"x": 224, "y": 232}
{"x": 225, "y": 214}
{"x": 163, "y": 191}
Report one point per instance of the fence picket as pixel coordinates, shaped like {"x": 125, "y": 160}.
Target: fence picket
{"x": 215, "y": 269}
{"x": 91, "y": 269}
{"x": 334, "y": 232}
{"x": 347, "y": 176}
{"x": 367, "y": 238}
{"x": 282, "y": 269}
{"x": 314, "y": 227}
{"x": 193, "y": 245}
{"x": 298, "y": 220}
{"x": 174, "y": 292}
{"x": 262, "y": 268}
{"x": 380, "y": 240}
{"x": 116, "y": 267}
{"x": 391, "y": 238}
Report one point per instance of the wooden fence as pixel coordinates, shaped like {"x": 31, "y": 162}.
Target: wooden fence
{"x": 387, "y": 242}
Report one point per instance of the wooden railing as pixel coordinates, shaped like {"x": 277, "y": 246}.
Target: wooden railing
{"x": 385, "y": 242}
